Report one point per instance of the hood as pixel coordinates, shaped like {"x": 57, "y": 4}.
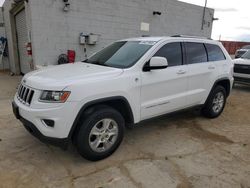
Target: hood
{"x": 242, "y": 61}
{"x": 242, "y": 50}
{"x": 60, "y": 76}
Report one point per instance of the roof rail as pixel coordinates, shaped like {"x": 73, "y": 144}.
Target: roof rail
{"x": 190, "y": 36}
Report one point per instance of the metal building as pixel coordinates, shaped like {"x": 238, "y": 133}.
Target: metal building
{"x": 4, "y": 64}
{"x": 54, "y": 26}
{"x": 233, "y": 46}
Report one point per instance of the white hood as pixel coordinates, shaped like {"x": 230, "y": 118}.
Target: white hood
{"x": 60, "y": 76}
{"x": 242, "y": 61}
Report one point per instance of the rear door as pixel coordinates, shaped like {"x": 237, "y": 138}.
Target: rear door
{"x": 201, "y": 73}
{"x": 216, "y": 55}
{"x": 164, "y": 90}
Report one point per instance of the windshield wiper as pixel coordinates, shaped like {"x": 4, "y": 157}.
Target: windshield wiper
{"x": 95, "y": 63}
{"x": 85, "y": 61}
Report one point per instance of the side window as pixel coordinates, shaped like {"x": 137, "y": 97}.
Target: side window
{"x": 214, "y": 53}
{"x": 196, "y": 53}
{"x": 172, "y": 52}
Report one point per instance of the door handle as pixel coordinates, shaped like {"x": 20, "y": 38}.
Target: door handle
{"x": 211, "y": 67}
{"x": 181, "y": 72}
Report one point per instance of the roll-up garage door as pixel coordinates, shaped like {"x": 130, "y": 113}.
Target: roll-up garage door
{"x": 22, "y": 39}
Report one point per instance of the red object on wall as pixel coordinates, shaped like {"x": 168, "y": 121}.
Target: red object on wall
{"x": 232, "y": 46}
{"x": 29, "y": 48}
{"x": 71, "y": 56}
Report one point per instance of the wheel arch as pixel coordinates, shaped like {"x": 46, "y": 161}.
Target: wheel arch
{"x": 224, "y": 82}
{"x": 119, "y": 103}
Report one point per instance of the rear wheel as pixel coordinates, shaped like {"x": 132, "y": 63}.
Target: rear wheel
{"x": 100, "y": 134}
{"x": 215, "y": 103}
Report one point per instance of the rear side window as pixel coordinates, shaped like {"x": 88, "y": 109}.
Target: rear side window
{"x": 172, "y": 52}
{"x": 214, "y": 53}
{"x": 195, "y": 52}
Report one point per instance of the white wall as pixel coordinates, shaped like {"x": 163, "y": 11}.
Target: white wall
{"x": 55, "y": 31}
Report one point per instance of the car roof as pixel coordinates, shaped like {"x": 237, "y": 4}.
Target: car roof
{"x": 153, "y": 39}
{"x": 180, "y": 38}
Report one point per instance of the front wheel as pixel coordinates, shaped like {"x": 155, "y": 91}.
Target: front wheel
{"x": 100, "y": 134}
{"x": 215, "y": 103}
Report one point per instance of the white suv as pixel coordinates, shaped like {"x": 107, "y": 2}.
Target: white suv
{"x": 91, "y": 102}
{"x": 242, "y": 69}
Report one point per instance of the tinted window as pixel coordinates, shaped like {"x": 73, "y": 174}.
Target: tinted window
{"x": 173, "y": 53}
{"x": 214, "y": 53}
{"x": 121, "y": 54}
{"x": 246, "y": 55}
{"x": 196, "y": 53}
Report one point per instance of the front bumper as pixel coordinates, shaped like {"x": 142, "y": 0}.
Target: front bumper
{"x": 60, "y": 142}
{"x": 35, "y": 115}
{"x": 242, "y": 78}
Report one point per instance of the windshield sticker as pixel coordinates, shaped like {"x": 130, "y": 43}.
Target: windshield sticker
{"x": 151, "y": 43}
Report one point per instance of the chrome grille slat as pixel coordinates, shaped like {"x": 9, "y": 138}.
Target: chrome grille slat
{"x": 25, "y": 95}
{"x": 19, "y": 89}
{"x": 28, "y": 96}
{"x": 21, "y": 96}
{"x": 31, "y": 96}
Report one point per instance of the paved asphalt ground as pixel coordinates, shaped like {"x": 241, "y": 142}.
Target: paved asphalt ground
{"x": 183, "y": 150}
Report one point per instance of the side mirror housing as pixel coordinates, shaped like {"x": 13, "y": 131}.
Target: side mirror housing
{"x": 156, "y": 63}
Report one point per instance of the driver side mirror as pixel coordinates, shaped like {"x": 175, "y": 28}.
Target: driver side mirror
{"x": 156, "y": 63}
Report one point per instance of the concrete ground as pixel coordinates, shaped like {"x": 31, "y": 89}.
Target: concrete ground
{"x": 183, "y": 151}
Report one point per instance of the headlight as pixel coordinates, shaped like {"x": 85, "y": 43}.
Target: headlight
{"x": 54, "y": 96}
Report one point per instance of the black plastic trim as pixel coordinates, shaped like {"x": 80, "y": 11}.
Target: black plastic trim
{"x": 96, "y": 102}
{"x": 241, "y": 80}
{"x": 147, "y": 68}
{"x": 219, "y": 80}
{"x": 31, "y": 128}
{"x": 59, "y": 142}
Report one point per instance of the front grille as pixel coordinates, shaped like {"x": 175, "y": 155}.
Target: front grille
{"x": 243, "y": 69}
{"x": 25, "y": 94}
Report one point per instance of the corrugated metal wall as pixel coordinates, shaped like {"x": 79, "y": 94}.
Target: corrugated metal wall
{"x": 22, "y": 39}
{"x": 232, "y": 46}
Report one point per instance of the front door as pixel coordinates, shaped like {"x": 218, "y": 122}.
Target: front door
{"x": 164, "y": 90}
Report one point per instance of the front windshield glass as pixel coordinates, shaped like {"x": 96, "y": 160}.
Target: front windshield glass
{"x": 246, "y": 55}
{"x": 121, "y": 54}
{"x": 246, "y": 47}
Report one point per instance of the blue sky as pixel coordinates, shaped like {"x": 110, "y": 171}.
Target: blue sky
{"x": 234, "y": 18}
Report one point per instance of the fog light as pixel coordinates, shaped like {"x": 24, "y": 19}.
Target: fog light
{"x": 48, "y": 122}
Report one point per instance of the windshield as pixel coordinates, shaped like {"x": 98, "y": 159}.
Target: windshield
{"x": 246, "y": 55}
{"x": 121, "y": 54}
{"x": 246, "y": 47}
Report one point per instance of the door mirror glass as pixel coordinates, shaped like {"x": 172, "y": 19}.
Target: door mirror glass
{"x": 156, "y": 63}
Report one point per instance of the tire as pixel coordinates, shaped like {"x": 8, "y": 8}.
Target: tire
{"x": 92, "y": 141}
{"x": 210, "y": 109}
